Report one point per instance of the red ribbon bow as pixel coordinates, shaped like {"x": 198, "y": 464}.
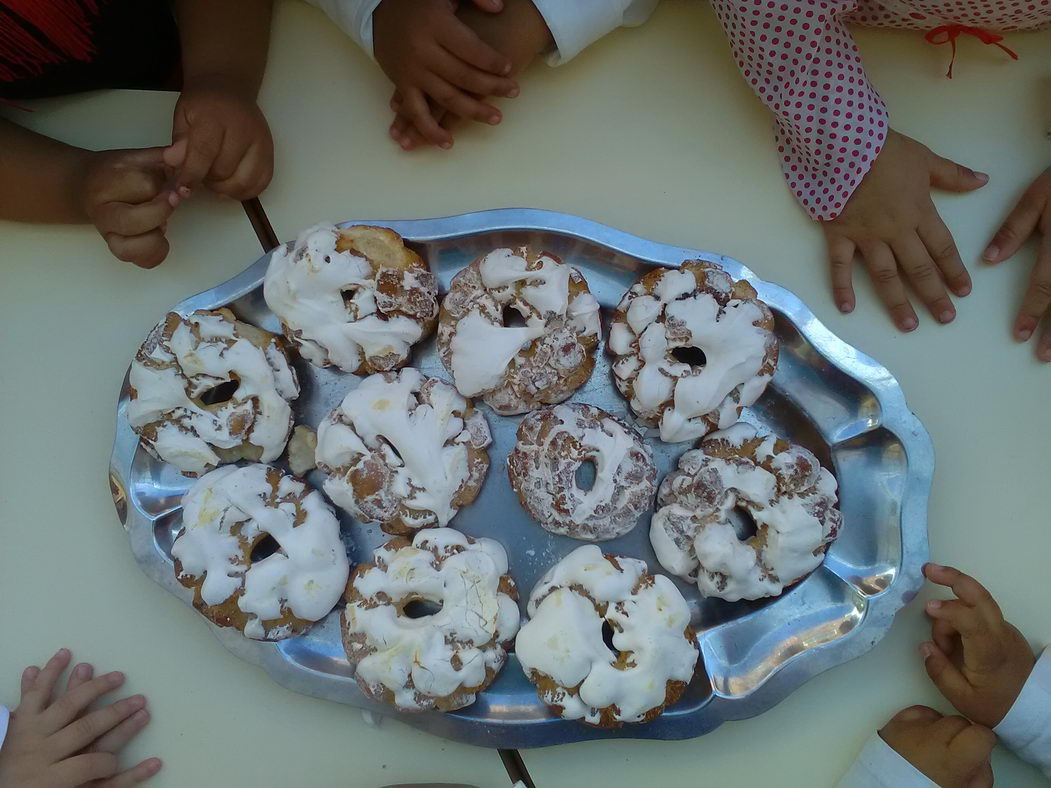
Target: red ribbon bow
{"x": 947, "y": 34}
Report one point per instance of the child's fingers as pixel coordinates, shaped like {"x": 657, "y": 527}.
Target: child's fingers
{"x": 1016, "y": 229}
{"x": 39, "y": 694}
{"x": 1043, "y": 350}
{"x": 474, "y": 80}
{"x": 82, "y": 769}
{"x": 944, "y": 636}
{"x": 466, "y": 45}
{"x": 28, "y": 677}
{"x": 925, "y": 277}
{"x": 965, "y": 587}
{"x": 116, "y": 739}
{"x": 962, "y": 617}
{"x": 82, "y": 731}
{"x": 124, "y": 218}
{"x": 204, "y": 141}
{"x": 883, "y": 268}
{"x": 138, "y": 773}
{"x": 250, "y": 177}
{"x": 1037, "y": 299}
{"x": 841, "y": 264}
{"x": 64, "y": 710}
{"x": 942, "y": 248}
{"x": 419, "y": 113}
{"x": 973, "y": 745}
{"x": 945, "y": 675}
{"x": 456, "y": 101}
{"x": 81, "y": 673}
{"x": 146, "y": 251}
{"x": 948, "y": 728}
{"x": 947, "y": 174}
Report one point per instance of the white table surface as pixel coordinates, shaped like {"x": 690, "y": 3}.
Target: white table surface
{"x": 651, "y": 131}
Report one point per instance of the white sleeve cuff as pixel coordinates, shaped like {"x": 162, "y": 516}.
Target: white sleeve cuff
{"x": 354, "y": 18}
{"x": 5, "y": 717}
{"x": 878, "y": 765}
{"x": 576, "y": 24}
{"x": 1026, "y": 729}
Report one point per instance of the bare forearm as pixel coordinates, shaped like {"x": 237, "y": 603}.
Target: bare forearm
{"x": 226, "y": 39}
{"x": 40, "y": 178}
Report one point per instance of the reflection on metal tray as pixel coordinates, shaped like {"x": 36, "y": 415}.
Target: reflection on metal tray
{"x": 826, "y": 395}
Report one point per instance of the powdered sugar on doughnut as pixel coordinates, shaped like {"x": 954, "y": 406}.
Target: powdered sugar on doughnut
{"x": 361, "y": 307}
{"x": 698, "y": 306}
{"x": 552, "y": 445}
{"x": 562, "y": 640}
{"x": 227, "y": 511}
{"x": 418, "y": 663}
{"x": 547, "y": 357}
{"x": 185, "y": 357}
{"x": 411, "y": 445}
{"x": 783, "y": 487}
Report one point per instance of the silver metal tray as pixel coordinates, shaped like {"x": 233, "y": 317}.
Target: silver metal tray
{"x": 842, "y": 405}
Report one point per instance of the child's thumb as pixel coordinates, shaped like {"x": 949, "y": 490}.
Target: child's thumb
{"x": 175, "y": 154}
{"x": 947, "y": 174}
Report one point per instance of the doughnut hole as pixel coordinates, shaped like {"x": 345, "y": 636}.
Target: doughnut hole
{"x": 512, "y": 317}
{"x": 585, "y": 475}
{"x": 264, "y": 547}
{"x": 743, "y": 523}
{"x": 219, "y": 394}
{"x": 623, "y": 659}
{"x": 418, "y": 607}
{"x": 693, "y": 356}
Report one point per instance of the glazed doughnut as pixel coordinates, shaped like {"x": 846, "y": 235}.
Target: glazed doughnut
{"x": 443, "y": 659}
{"x": 552, "y": 445}
{"x": 661, "y": 323}
{"x": 180, "y": 404}
{"x": 561, "y": 647}
{"x": 790, "y": 497}
{"x": 403, "y": 450}
{"x": 515, "y": 369}
{"x": 356, "y": 297}
{"x": 231, "y": 514}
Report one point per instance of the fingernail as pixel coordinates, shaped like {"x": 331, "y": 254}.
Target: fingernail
{"x": 934, "y": 604}
{"x": 137, "y": 701}
{"x": 926, "y": 650}
{"x": 81, "y": 670}
{"x": 446, "y": 145}
{"x": 1023, "y": 334}
{"x": 173, "y": 199}
{"x": 31, "y": 672}
{"x": 933, "y": 566}
{"x": 1045, "y": 354}
{"x": 981, "y": 176}
{"x": 512, "y": 92}
{"x": 909, "y": 324}
{"x": 992, "y": 251}
{"x": 494, "y": 119}
{"x": 116, "y": 677}
{"x": 62, "y": 653}
{"x": 946, "y": 316}
{"x": 963, "y": 290}
{"x": 846, "y": 307}
{"x": 507, "y": 69}
{"x": 141, "y": 715}
{"x": 185, "y": 191}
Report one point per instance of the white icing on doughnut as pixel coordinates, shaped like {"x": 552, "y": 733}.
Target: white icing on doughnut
{"x": 416, "y": 425}
{"x": 475, "y": 620}
{"x": 792, "y": 505}
{"x": 203, "y": 350}
{"x": 229, "y": 508}
{"x": 563, "y": 637}
{"x": 552, "y": 444}
{"x": 482, "y": 348}
{"x": 305, "y": 286}
{"x": 679, "y": 315}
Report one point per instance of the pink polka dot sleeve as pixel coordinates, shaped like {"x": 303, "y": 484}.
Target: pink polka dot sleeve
{"x": 803, "y": 64}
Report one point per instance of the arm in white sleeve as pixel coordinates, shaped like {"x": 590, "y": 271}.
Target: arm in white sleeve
{"x": 576, "y": 24}
{"x": 878, "y": 765}
{"x": 1026, "y": 730}
{"x": 354, "y": 18}
{"x": 5, "y": 717}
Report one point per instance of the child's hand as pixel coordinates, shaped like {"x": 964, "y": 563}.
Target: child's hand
{"x": 977, "y": 660}
{"x": 1032, "y": 214}
{"x": 429, "y": 54}
{"x": 57, "y": 743}
{"x": 220, "y": 138}
{"x": 519, "y": 33}
{"x": 950, "y": 750}
{"x": 124, "y": 193}
{"x": 892, "y": 223}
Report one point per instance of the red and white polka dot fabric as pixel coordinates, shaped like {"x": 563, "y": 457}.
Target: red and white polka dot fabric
{"x": 801, "y": 60}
